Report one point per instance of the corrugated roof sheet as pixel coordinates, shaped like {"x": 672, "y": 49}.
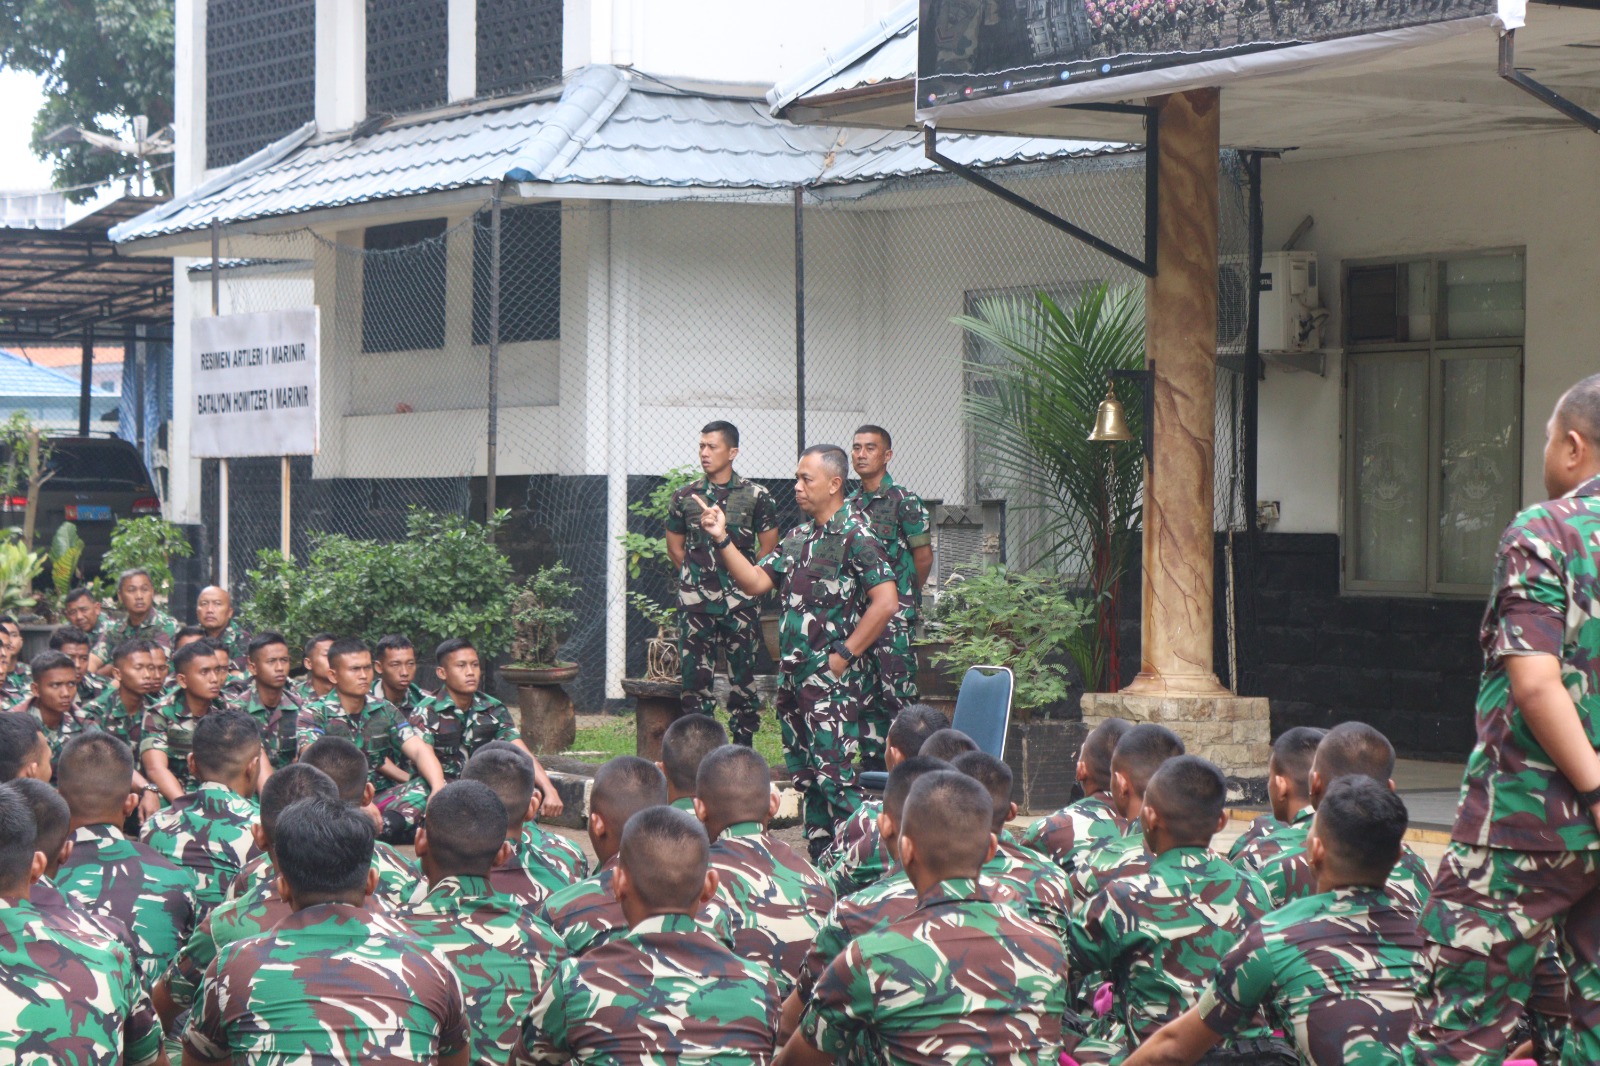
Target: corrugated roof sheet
{"x": 886, "y": 51}
{"x": 20, "y": 377}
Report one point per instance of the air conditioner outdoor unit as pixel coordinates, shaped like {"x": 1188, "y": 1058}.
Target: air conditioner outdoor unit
{"x": 1291, "y": 311}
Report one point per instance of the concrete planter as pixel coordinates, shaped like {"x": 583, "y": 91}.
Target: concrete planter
{"x": 657, "y": 705}
{"x": 549, "y": 722}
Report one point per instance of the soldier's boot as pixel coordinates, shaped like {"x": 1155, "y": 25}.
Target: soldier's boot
{"x": 697, "y": 662}
{"x": 742, "y": 630}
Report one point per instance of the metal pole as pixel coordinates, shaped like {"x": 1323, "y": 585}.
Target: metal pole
{"x": 799, "y": 320}
{"x": 283, "y": 516}
{"x": 494, "y": 352}
{"x": 1252, "y": 345}
{"x": 222, "y": 464}
{"x": 85, "y": 374}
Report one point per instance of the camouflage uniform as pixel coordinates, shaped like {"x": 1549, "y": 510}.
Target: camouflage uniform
{"x": 113, "y": 716}
{"x": 251, "y": 914}
{"x": 301, "y": 687}
{"x": 77, "y": 720}
{"x": 775, "y": 900}
{"x": 503, "y": 955}
{"x": 927, "y": 988}
{"x": 898, "y": 518}
{"x": 208, "y": 832}
{"x": 158, "y": 626}
{"x": 664, "y": 991}
{"x": 1335, "y": 973}
{"x": 13, "y": 693}
{"x": 455, "y": 734}
{"x": 111, "y": 876}
{"x": 70, "y": 999}
{"x": 1158, "y": 936}
{"x": 1075, "y": 828}
{"x": 397, "y": 879}
{"x": 71, "y": 917}
{"x": 540, "y": 865}
{"x": 824, "y": 572}
{"x": 20, "y": 679}
{"x": 1039, "y": 883}
{"x": 1096, "y": 865}
{"x": 279, "y": 725}
{"x": 1259, "y": 826}
{"x": 1525, "y": 854}
{"x": 1266, "y": 846}
{"x": 415, "y": 696}
{"x": 857, "y": 857}
{"x": 586, "y": 915}
{"x": 235, "y": 639}
{"x": 1289, "y": 877}
{"x": 90, "y": 686}
{"x": 379, "y": 730}
{"x": 169, "y": 728}
{"x": 712, "y": 610}
{"x": 331, "y": 984}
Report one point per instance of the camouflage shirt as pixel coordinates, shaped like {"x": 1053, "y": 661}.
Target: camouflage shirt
{"x": 1259, "y": 827}
{"x": 378, "y": 729}
{"x": 1276, "y": 840}
{"x": 871, "y": 908}
{"x": 556, "y": 850}
{"x": 1098, "y": 864}
{"x": 1546, "y": 601}
{"x": 235, "y": 639}
{"x": 1038, "y": 882}
{"x": 208, "y": 832}
{"x": 71, "y": 917}
{"x": 898, "y": 518}
{"x": 70, "y": 998}
{"x": 330, "y": 984}
{"x": 113, "y": 715}
{"x": 1158, "y": 935}
{"x": 279, "y": 725}
{"x": 1336, "y": 973}
{"x": 158, "y": 626}
{"x": 76, "y": 720}
{"x": 455, "y": 734}
{"x": 1076, "y": 827}
{"x": 169, "y": 728}
{"x": 824, "y": 572}
{"x": 665, "y": 991}
{"x": 397, "y": 879}
{"x": 857, "y": 857}
{"x": 415, "y": 695}
{"x": 1289, "y": 877}
{"x": 774, "y": 898}
{"x": 90, "y": 686}
{"x": 586, "y": 915}
{"x": 111, "y": 876}
{"x": 503, "y": 955}
{"x": 926, "y": 989}
{"x": 251, "y": 914}
{"x": 540, "y": 865}
{"x": 704, "y": 585}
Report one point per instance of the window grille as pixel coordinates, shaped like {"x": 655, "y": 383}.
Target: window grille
{"x": 261, "y": 79}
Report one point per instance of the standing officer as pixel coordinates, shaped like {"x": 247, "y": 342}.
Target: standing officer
{"x": 899, "y": 520}
{"x": 839, "y": 594}
{"x": 1525, "y": 854}
{"x": 711, "y": 608}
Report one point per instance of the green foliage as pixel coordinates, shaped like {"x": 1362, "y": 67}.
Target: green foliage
{"x": 447, "y": 578}
{"x": 998, "y": 617}
{"x": 657, "y": 615}
{"x": 1035, "y": 423}
{"x": 146, "y": 543}
{"x": 104, "y": 61}
{"x": 20, "y": 471}
{"x": 18, "y": 568}
{"x": 65, "y": 551}
{"x": 652, "y": 550}
{"x": 541, "y": 616}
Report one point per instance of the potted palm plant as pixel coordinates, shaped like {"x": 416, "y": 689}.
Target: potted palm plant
{"x": 540, "y": 616}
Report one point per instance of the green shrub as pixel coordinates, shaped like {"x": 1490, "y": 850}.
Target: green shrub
{"x": 540, "y": 617}
{"x": 146, "y": 543}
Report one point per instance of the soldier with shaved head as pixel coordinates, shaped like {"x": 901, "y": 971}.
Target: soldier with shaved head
{"x": 1083, "y": 823}
{"x": 1289, "y": 791}
{"x": 1138, "y": 754}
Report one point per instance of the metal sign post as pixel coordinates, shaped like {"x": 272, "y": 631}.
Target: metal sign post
{"x": 222, "y": 469}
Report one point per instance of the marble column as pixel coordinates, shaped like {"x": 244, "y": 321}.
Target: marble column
{"x": 1181, "y": 340}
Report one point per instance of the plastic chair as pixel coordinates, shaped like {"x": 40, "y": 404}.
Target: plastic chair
{"x": 983, "y": 712}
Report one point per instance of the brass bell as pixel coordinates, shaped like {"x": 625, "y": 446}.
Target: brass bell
{"x": 1111, "y": 421}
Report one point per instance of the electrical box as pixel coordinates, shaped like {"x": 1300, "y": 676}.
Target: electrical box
{"x": 1290, "y": 309}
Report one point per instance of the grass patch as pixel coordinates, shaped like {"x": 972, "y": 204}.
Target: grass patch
{"x": 617, "y": 737}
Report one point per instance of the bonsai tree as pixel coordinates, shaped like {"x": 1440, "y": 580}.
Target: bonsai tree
{"x": 540, "y": 617}
{"x": 647, "y": 552}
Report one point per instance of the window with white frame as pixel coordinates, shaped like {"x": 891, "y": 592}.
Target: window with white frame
{"x": 1433, "y": 419}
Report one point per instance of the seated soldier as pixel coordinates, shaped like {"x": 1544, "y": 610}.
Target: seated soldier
{"x": 664, "y": 989}
{"x": 331, "y": 983}
{"x": 1038, "y": 881}
{"x": 11, "y": 633}
{"x": 874, "y": 907}
{"x": 142, "y": 619}
{"x": 1158, "y": 934}
{"x": 208, "y": 831}
{"x": 946, "y": 744}
{"x": 24, "y": 751}
{"x": 133, "y": 687}
{"x": 52, "y": 818}
{"x": 75, "y": 644}
{"x": 857, "y": 857}
{"x": 684, "y": 743}
{"x": 70, "y": 998}
{"x": 1083, "y": 822}
{"x": 381, "y": 731}
{"x": 268, "y": 697}
{"x": 317, "y": 681}
{"x": 1349, "y": 748}
{"x": 503, "y": 954}
{"x": 255, "y": 910}
{"x": 111, "y": 875}
{"x": 13, "y": 688}
{"x": 344, "y": 763}
{"x": 213, "y": 611}
{"x": 1289, "y": 790}
{"x": 928, "y": 987}
{"x": 82, "y": 611}
{"x": 586, "y": 914}
{"x": 53, "y": 700}
{"x": 773, "y": 897}
{"x": 185, "y": 636}
{"x": 538, "y": 863}
{"x": 394, "y": 661}
{"x": 1335, "y": 972}
{"x": 169, "y": 724}
{"x": 1137, "y": 756}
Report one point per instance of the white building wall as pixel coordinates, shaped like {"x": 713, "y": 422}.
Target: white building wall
{"x": 1537, "y": 191}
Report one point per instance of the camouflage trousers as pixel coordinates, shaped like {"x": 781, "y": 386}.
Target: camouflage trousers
{"x": 820, "y": 719}
{"x": 890, "y": 679}
{"x": 699, "y": 636}
{"x": 402, "y": 807}
{"x": 1486, "y": 926}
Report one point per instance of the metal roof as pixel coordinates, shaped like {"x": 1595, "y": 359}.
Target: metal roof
{"x": 20, "y": 376}
{"x": 885, "y": 52}
{"x": 609, "y": 128}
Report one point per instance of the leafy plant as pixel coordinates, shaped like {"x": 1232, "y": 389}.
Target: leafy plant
{"x": 1035, "y": 423}
{"x": 147, "y": 543}
{"x": 66, "y": 548}
{"x": 28, "y": 454}
{"x": 999, "y": 617}
{"x": 651, "y": 551}
{"x": 540, "y": 616}
{"x": 18, "y": 568}
{"x": 656, "y": 614}
{"x": 446, "y": 578}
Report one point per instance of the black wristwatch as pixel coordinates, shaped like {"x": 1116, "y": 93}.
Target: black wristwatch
{"x": 842, "y": 650}
{"x": 1589, "y": 798}
{"x": 723, "y": 543}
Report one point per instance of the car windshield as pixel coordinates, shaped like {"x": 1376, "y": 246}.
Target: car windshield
{"x": 90, "y": 461}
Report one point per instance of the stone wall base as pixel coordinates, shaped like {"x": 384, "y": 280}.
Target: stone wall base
{"x": 1235, "y": 732}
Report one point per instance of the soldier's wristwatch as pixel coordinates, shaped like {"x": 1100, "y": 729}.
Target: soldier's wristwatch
{"x": 1589, "y": 798}
{"x": 723, "y": 543}
{"x": 842, "y": 650}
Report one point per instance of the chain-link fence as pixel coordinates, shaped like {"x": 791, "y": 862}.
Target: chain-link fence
{"x": 576, "y": 348}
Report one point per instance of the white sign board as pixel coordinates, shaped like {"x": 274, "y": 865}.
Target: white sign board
{"x": 255, "y": 384}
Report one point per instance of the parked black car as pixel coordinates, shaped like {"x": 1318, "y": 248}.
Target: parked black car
{"x": 96, "y": 481}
